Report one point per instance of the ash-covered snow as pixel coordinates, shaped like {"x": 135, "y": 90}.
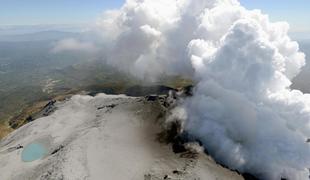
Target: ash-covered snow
{"x": 102, "y": 137}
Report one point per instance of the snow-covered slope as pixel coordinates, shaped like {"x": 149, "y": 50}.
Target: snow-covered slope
{"x": 102, "y": 137}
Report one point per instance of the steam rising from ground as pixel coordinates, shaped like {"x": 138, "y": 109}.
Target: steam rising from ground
{"x": 242, "y": 108}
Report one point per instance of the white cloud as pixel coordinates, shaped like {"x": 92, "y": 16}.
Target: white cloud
{"x": 74, "y": 45}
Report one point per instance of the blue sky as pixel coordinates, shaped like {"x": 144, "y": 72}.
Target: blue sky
{"x": 29, "y": 12}
{"x": 296, "y": 12}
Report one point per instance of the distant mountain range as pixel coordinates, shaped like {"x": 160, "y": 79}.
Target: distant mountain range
{"x": 302, "y": 82}
{"x": 39, "y": 36}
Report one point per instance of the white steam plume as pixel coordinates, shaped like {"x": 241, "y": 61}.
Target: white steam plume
{"x": 242, "y": 108}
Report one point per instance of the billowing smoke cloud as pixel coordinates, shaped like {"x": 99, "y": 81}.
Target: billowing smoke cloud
{"x": 242, "y": 108}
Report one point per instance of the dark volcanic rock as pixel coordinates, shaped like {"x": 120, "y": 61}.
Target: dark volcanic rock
{"x": 248, "y": 176}
{"x": 49, "y": 108}
{"x": 57, "y": 150}
{"x": 29, "y": 119}
{"x": 188, "y": 90}
{"x": 151, "y": 98}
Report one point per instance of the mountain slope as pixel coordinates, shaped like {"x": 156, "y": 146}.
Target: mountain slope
{"x": 111, "y": 137}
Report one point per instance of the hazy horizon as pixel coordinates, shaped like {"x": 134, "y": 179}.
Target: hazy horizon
{"x": 33, "y": 13}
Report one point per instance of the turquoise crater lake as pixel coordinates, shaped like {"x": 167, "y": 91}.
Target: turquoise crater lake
{"x": 33, "y": 152}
